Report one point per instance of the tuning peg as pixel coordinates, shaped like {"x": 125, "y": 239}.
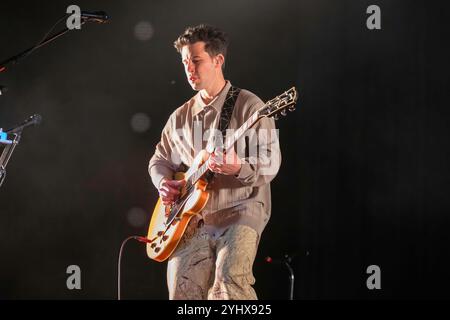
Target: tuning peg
{"x": 276, "y": 116}
{"x": 283, "y": 112}
{"x": 291, "y": 108}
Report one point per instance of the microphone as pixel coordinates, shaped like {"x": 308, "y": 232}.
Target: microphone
{"x": 33, "y": 120}
{"x": 95, "y": 16}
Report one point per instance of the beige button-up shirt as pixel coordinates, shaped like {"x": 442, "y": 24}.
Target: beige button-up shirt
{"x": 241, "y": 199}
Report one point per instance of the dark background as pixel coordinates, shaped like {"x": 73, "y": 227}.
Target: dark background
{"x": 364, "y": 178}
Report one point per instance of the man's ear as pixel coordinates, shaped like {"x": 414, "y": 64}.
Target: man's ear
{"x": 219, "y": 60}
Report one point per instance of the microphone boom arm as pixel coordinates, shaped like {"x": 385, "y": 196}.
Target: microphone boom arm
{"x": 15, "y": 59}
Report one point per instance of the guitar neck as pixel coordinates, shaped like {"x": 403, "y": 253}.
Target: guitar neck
{"x": 229, "y": 142}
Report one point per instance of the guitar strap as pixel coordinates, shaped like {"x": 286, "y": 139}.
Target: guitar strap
{"x": 225, "y": 118}
{"x": 224, "y": 121}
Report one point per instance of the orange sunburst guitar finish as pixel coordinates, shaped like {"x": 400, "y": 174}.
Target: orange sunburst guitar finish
{"x": 168, "y": 223}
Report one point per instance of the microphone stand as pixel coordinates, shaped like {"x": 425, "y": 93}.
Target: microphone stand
{"x": 17, "y": 132}
{"x": 7, "y": 153}
{"x": 11, "y": 144}
{"x": 287, "y": 260}
{"x": 15, "y": 59}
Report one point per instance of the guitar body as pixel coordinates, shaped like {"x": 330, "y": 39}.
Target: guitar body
{"x": 165, "y": 237}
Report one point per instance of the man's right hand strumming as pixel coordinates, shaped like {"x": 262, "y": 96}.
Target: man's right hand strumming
{"x": 169, "y": 190}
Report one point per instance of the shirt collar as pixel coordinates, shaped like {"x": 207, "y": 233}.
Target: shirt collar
{"x": 217, "y": 103}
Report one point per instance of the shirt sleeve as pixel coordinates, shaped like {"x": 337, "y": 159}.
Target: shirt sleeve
{"x": 161, "y": 164}
{"x": 259, "y": 151}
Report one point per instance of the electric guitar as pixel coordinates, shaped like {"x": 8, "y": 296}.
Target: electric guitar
{"x": 168, "y": 223}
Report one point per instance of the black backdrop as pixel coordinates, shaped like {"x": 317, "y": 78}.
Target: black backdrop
{"x": 364, "y": 179}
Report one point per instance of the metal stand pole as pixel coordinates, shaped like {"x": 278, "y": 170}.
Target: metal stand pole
{"x": 287, "y": 260}
{"x": 6, "y": 155}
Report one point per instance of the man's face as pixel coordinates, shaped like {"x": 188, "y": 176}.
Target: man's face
{"x": 201, "y": 69}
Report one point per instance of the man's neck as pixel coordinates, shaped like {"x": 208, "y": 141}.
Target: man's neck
{"x": 208, "y": 94}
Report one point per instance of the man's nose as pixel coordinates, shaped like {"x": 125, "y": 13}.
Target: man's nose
{"x": 190, "y": 67}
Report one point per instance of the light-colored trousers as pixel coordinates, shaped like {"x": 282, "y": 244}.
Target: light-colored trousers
{"x": 213, "y": 269}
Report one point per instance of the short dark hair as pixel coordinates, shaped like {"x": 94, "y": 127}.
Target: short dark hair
{"x": 216, "y": 41}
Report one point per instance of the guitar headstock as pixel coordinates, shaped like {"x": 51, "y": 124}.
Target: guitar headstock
{"x": 280, "y": 104}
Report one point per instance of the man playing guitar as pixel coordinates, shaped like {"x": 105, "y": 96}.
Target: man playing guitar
{"x": 215, "y": 256}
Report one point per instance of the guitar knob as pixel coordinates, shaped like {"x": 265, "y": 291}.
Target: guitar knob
{"x": 291, "y": 109}
{"x": 284, "y": 112}
{"x": 276, "y": 117}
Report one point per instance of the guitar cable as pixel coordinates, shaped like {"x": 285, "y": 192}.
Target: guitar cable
{"x": 137, "y": 238}
{"x": 119, "y": 260}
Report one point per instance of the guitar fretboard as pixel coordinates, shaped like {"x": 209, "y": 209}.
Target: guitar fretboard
{"x": 229, "y": 142}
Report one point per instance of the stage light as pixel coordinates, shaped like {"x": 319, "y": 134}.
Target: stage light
{"x": 140, "y": 122}
{"x": 137, "y": 217}
{"x": 143, "y": 31}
